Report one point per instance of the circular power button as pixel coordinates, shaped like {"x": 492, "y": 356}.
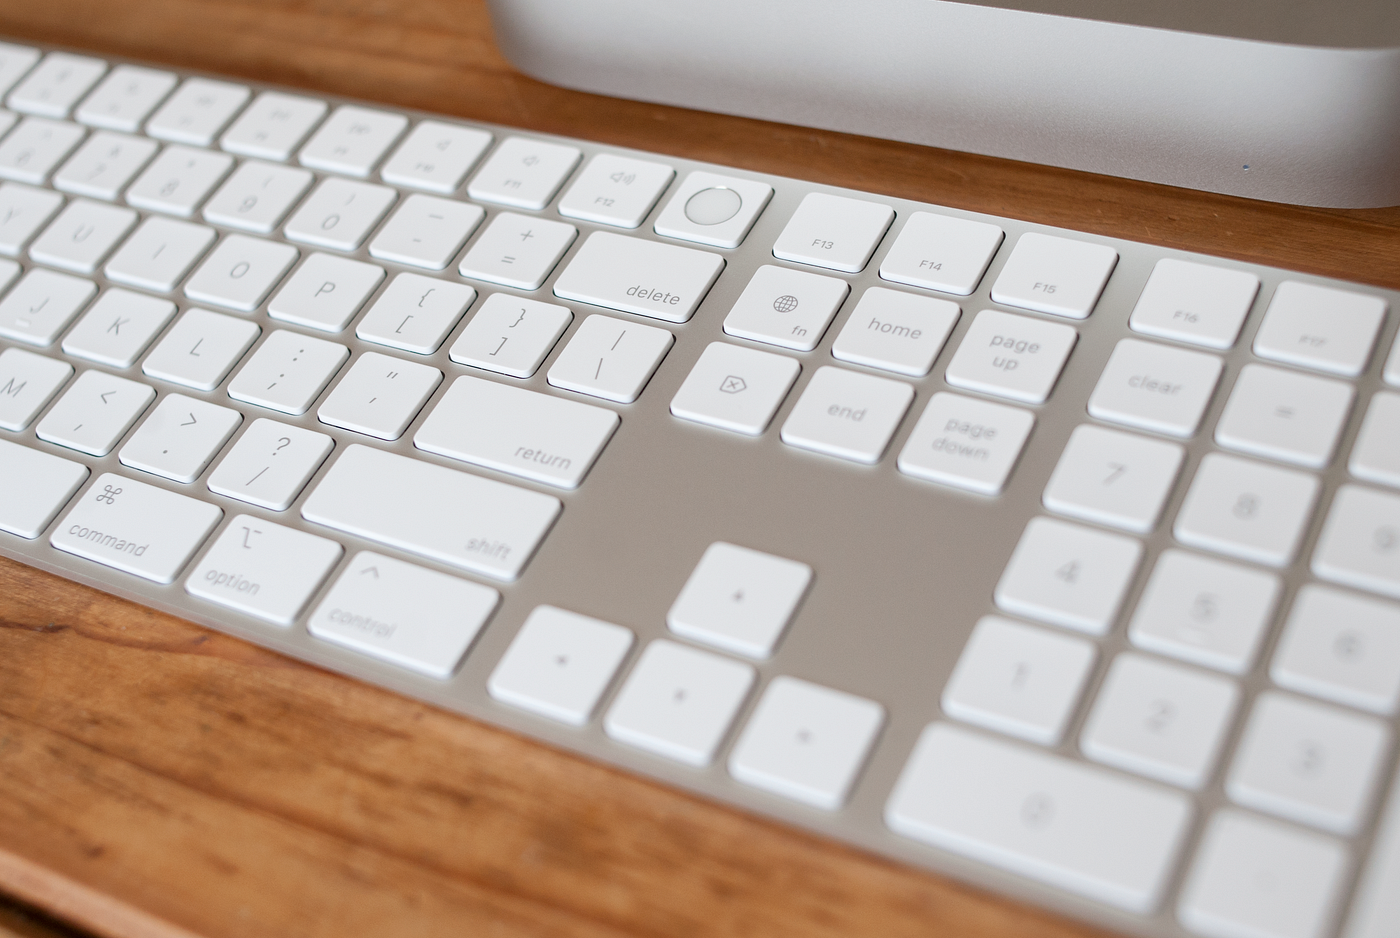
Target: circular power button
{"x": 713, "y": 206}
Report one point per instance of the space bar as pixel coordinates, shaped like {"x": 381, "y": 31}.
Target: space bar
{"x": 477, "y": 524}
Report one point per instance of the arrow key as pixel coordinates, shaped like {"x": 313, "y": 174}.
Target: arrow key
{"x": 180, "y": 437}
{"x": 95, "y": 413}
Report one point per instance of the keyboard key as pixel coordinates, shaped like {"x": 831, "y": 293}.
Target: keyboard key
{"x": 32, "y": 150}
{"x": 559, "y": 664}
{"x": 158, "y": 254}
{"x": 678, "y": 702}
{"x": 325, "y": 292}
{"x": 178, "y": 180}
{"x": 241, "y": 272}
{"x": 1343, "y": 648}
{"x": 9, "y": 270}
{"x": 23, "y": 211}
{"x": 1068, "y": 575}
{"x": 180, "y": 438}
{"x": 15, "y": 61}
{"x": 1246, "y": 509}
{"x": 257, "y": 197}
{"x": 1204, "y": 611}
{"x": 511, "y": 335}
{"x": 847, "y": 415}
{"x": 352, "y": 140}
{"x": 1320, "y": 328}
{"x": 517, "y": 251}
{"x": 27, "y": 383}
{"x": 711, "y": 209}
{"x": 611, "y": 359}
{"x": 1155, "y": 387}
{"x": 523, "y": 173}
{"x": 56, "y": 84}
{"x": 82, "y": 236}
{"x": 522, "y": 432}
{"x": 134, "y": 527}
{"x": 270, "y": 464}
{"x": 895, "y": 331}
{"x": 42, "y": 305}
{"x": 736, "y": 389}
{"x": 104, "y": 165}
{"x": 34, "y": 486}
{"x": 1375, "y": 456}
{"x": 197, "y": 111}
{"x": 1360, "y": 541}
{"x": 1377, "y": 906}
{"x": 339, "y": 214}
{"x": 1112, "y": 478}
{"x": 125, "y": 97}
{"x": 118, "y": 327}
{"x": 435, "y": 157}
{"x": 616, "y": 190}
{"x": 477, "y": 524}
{"x": 739, "y": 600}
{"x": 404, "y": 614}
{"x": 272, "y": 126}
{"x": 1054, "y": 275}
{"x": 288, "y": 372}
{"x": 939, "y": 252}
{"x": 789, "y": 308}
{"x": 967, "y": 443}
{"x": 201, "y": 349}
{"x": 1160, "y": 720}
{"x": 1283, "y": 415}
{"x": 263, "y": 569}
{"x": 1019, "y": 679}
{"x": 806, "y": 742}
{"x": 95, "y": 413}
{"x": 379, "y": 396}
{"x": 1060, "y": 822}
{"x": 1194, "y": 303}
{"x": 426, "y": 232}
{"x": 643, "y": 277}
{"x": 834, "y": 231}
{"x": 415, "y": 313}
{"x": 1308, "y": 763}
{"x": 1011, "y": 356}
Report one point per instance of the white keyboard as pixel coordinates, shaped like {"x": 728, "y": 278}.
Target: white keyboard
{"x": 1065, "y": 565}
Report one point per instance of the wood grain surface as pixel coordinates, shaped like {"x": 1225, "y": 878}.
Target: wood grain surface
{"x": 158, "y": 779}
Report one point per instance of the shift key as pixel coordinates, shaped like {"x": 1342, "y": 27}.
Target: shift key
{"x": 647, "y": 278}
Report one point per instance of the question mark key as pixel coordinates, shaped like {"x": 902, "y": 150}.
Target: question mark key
{"x": 270, "y": 464}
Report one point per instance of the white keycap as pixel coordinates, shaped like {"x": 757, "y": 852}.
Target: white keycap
{"x": 7, "y": 120}
{"x": 15, "y": 61}
{"x": 1054, "y": 275}
{"x": 9, "y": 270}
{"x": 806, "y": 742}
{"x": 272, "y": 126}
{"x": 94, "y": 413}
{"x": 1360, "y": 542}
{"x": 1308, "y": 763}
{"x": 789, "y": 308}
{"x": 435, "y": 156}
{"x": 178, "y": 180}
{"x": 1341, "y": 647}
{"x": 263, "y": 569}
{"x": 240, "y": 272}
{"x": 325, "y": 292}
{"x": 739, "y": 600}
{"x": 404, "y": 614}
{"x": 522, "y": 432}
{"x": 616, "y": 190}
{"x": 1060, "y": 822}
{"x": 711, "y": 209}
{"x": 352, "y": 140}
{"x": 23, "y": 211}
{"x": 1375, "y": 456}
{"x": 833, "y": 231}
{"x": 33, "y": 487}
{"x": 118, "y": 327}
{"x": 426, "y": 231}
{"x": 134, "y": 527}
{"x": 1112, "y": 478}
{"x": 511, "y": 335}
{"x": 735, "y": 389}
{"x": 1205, "y": 611}
{"x": 82, "y": 236}
{"x": 643, "y": 277}
{"x": 1260, "y": 879}
{"x": 415, "y": 313}
{"x": 1246, "y": 509}
{"x": 1194, "y": 303}
{"x": 517, "y": 251}
{"x": 32, "y": 150}
{"x": 288, "y": 372}
{"x": 966, "y": 443}
{"x": 379, "y": 396}
{"x": 847, "y": 414}
{"x": 1155, "y": 387}
{"x": 896, "y": 331}
{"x": 1377, "y": 905}
{"x": 27, "y": 383}
{"x": 1160, "y": 720}
{"x": 200, "y": 349}
{"x": 180, "y": 438}
{"x": 559, "y": 664}
{"x": 1018, "y": 679}
{"x": 1320, "y": 327}
{"x": 339, "y": 214}
{"x": 523, "y": 173}
{"x": 611, "y": 359}
{"x": 257, "y": 197}
{"x": 678, "y": 702}
{"x": 56, "y": 84}
{"x": 104, "y": 165}
{"x": 1068, "y": 575}
{"x": 197, "y": 111}
{"x": 1283, "y": 415}
{"x": 41, "y": 305}
{"x": 938, "y": 252}
{"x": 125, "y": 97}
{"x": 270, "y": 464}
{"x": 462, "y": 520}
{"x": 158, "y": 254}
{"x": 1011, "y": 356}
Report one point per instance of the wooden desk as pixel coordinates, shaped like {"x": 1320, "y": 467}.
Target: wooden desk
{"x": 157, "y": 779}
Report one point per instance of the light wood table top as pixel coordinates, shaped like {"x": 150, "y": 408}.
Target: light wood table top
{"x": 159, "y": 779}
